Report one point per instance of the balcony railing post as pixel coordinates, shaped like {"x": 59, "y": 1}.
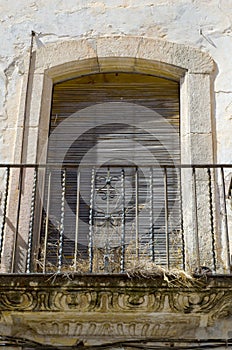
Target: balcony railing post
{"x": 16, "y": 233}
{"x": 62, "y": 216}
{"x": 77, "y": 219}
{"x": 211, "y": 213}
{"x": 227, "y": 240}
{"x": 166, "y": 217}
{"x": 196, "y": 232}
{"x": 91, "y": 208}
{"x": 137, "y": 213}
{"x": 31, "y": 222}
{"x": 47, "y": 222}
{"x": 123, "y": 221}
{"x": 182, "y": 222}
{"x": 152, "y": 243}
{"x": 5, "y": 202}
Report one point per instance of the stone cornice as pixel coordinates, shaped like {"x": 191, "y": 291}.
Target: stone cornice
{"x": 94, "y": 293}
{"x": 100, "y": 307}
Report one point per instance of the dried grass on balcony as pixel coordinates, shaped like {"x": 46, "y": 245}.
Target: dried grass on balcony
{"x": 149, "y": 270}
{"x": 135, "y": 267}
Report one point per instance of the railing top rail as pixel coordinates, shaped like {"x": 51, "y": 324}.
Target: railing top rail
{"x": 71, "y": 165}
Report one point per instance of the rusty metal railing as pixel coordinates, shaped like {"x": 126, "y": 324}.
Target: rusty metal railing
{"x": 113, "y": 219}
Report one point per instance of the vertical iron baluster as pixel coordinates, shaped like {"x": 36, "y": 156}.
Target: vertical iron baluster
{"x": 61, "y": 236}
{"x": 47, "y": 222}
{"x": 196, "y": 218}
{"x": 137, "y": 213}
{"x": 4, "y": 211}
{"x": 212, "y": 219}
{"x": 152, "y": 243}
{"x": 123, "y": 221}
{"x": 166, "y": 217}
{"x": 106, "y": 256}
{"x": 91, "y": 221}
{"x": 31, "y": 222}
{"x": 182, "y": 222}
{"x": 77, "y": 219}
{"x": 20, "y": 185}
{"x": 226, "y": 220}
{"x": 108, "y": 185}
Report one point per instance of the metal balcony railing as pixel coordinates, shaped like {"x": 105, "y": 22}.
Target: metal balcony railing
{"x": 110, "y": 219}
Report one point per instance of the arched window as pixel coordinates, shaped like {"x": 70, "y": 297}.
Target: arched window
{"x": 172, "y": 78}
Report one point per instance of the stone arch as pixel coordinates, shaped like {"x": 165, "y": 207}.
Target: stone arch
{"x": 63, "y": 59}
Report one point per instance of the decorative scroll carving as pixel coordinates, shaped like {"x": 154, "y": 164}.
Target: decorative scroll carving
{"x": 88, "y": 297}
{"x": 223, "y": 307}
{"x": 141, "y": 302}
{"x": 101, "y": 309}
{"x": 196, "y": 302}
{"x": 79, "y": 301}
{"x": 192, "y": 302}
{"x": 17, "y": 300}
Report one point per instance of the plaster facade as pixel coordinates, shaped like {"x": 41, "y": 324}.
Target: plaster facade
{"x": 187, "y": 41}
{"x": 204, "y": 25}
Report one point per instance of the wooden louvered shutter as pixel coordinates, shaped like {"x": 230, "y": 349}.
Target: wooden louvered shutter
{"x": 150, "y": 138}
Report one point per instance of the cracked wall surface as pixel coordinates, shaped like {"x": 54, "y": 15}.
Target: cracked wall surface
{"x": 201, "y": 24}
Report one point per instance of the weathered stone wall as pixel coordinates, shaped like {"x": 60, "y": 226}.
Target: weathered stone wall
{"x": 202, "y": 24}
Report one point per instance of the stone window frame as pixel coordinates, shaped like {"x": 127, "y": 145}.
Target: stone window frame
{"x": 64, "y": 60}
{"x": 59, "y": 61}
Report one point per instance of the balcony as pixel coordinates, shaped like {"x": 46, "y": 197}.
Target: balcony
{"x": 115, "y": 219}
{"x": 90, "y": 256}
